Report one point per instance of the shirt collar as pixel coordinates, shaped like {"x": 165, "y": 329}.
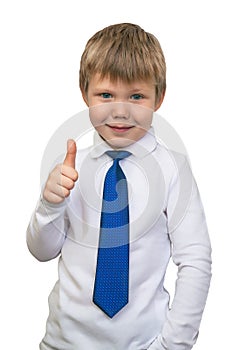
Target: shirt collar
{"x": 140, "y": 149}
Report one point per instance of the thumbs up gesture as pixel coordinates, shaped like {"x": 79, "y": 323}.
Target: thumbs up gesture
{"x": 63, "y": 177}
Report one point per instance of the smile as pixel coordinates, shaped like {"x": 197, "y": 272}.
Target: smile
{"x": 120, "y": 128}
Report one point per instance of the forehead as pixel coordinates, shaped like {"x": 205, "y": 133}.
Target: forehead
{"x": 97, "y": 81}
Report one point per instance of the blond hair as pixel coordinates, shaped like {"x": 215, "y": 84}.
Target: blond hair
{"x": 123, "y": 51}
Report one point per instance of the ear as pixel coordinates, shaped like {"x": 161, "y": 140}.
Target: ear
{"x": 158, "y": 103}
{"x": 85, "y": 99}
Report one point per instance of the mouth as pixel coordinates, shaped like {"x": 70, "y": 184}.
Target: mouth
{"x": 120, "y": 128}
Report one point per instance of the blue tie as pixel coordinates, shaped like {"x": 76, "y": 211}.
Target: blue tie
{"x": 112, "y": 270}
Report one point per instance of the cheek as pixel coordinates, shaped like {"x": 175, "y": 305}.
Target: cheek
{"x": 94, "y": 119}
{"x": 102, "y": 131}
{"x": 144, "y": 119}
{"x": 98, "y": 114}
{"x": 139, "y": 133}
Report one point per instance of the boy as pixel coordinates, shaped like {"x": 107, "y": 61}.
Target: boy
{"x": 123, "y": 81}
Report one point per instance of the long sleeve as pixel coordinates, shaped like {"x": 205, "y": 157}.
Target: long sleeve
{"x": 191, "y": 252}
{"x": 166, "y": 218}
{"x": 47, "y": 229}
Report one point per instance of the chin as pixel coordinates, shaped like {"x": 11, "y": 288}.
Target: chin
{"x": 119, "y": 142}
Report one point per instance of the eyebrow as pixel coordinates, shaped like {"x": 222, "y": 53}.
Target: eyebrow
{"x": 138, "y": 90}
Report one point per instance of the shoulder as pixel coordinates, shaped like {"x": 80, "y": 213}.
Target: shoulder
{"x": 170, "y": 159}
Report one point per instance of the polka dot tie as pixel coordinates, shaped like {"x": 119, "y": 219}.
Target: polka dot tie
{"x": 112, "y": 270}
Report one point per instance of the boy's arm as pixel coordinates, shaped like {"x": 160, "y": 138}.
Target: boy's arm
{"x": 47, "y": 230}
{"x": 191, "y": 252}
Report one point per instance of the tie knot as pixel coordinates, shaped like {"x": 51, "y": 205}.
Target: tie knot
{"x": 118, "y": 154}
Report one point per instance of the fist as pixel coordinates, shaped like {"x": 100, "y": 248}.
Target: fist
{"x": 63, "y": 177}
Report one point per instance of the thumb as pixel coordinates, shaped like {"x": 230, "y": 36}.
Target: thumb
{"x": 70, "y": 154}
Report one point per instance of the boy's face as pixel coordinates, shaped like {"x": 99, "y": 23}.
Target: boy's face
{"x": 121, "y": 112}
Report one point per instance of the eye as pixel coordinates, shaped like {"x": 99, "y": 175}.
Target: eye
{"x": 136, "y": 97}
{"x": 106, "y": 95}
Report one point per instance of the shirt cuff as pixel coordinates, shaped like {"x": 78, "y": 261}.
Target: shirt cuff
{"x": 51, "y": 210}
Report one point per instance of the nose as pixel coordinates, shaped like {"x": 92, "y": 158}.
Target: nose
{"x": 120, "y": 110}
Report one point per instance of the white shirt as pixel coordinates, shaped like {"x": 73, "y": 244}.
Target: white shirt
{"x": 166, "y": 219}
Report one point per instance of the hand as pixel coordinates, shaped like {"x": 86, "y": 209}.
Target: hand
{"x": 63, "y": 177}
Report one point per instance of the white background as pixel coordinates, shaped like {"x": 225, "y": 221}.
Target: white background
{"x": 41, "y": 45}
